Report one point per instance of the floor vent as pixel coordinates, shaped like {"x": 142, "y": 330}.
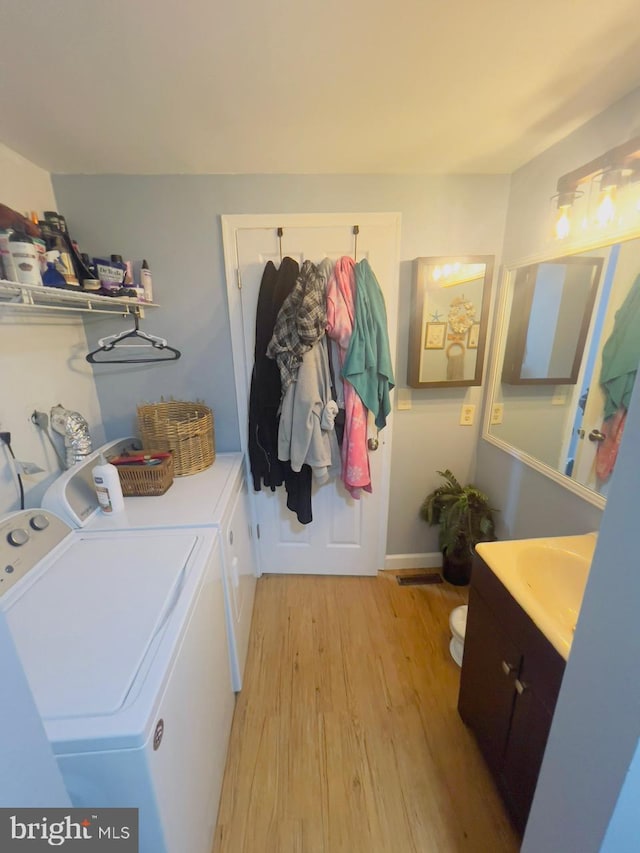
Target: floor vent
{"x": 420, "y": 578}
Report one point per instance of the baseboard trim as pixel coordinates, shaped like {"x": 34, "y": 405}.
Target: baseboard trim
{"x": 426, "y": 560}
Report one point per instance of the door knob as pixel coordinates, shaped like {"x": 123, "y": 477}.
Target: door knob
{"x": 596, "y": 435}
{"x": 372, "y": 444}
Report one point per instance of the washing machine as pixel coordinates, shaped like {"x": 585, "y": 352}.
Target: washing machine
{"x": 122, "y": 639}
{"x": 215, "y": 498}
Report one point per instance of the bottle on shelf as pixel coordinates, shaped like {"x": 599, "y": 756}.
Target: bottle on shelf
{"x": 25, "y": 258}
{"x": 53, "y": 275}
{"x": 55, "y": 241}
{"x": 9, "y": 270}
{"x": 146, "y": 284}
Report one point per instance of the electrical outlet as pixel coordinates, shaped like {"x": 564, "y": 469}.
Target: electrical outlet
{"x": 467, "y": 414}
{"x": 497, "y": 411}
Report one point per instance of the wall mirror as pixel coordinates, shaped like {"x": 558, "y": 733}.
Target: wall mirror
{"x": 569, "y": 427}
{"x": 547, "y": 332}
{"x": 450, "y": 309}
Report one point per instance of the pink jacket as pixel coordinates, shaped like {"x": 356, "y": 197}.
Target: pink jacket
{"x": 341, "y": 291}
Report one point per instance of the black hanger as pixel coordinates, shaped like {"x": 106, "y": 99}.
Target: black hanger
{"x": 156, "y": 343}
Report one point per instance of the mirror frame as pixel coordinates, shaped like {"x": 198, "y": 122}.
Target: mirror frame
{"x": 509, "y": 271}
{"x": 417, "y": 312}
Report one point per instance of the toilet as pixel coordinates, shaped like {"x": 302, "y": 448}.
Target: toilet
{"x": 458, "y": 626}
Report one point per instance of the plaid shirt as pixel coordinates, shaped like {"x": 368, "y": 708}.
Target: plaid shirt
{"x": 301, "y": 322}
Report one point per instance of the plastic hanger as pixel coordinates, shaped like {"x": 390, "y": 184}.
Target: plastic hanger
{"x": 113, "y": 342}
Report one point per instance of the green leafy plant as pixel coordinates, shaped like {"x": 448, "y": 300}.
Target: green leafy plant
{"x": 464, "y": 515}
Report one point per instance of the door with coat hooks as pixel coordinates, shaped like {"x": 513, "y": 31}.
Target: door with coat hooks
{"x": 346, "y": 536}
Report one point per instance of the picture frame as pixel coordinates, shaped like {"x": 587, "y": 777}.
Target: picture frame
{"x": 435, "y": 335}
{"x": 474, "y": 335}
{"x": 449, "y": 304}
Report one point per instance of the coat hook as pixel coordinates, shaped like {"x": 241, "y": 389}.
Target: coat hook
{"x": 356, "y": 231}
{"x": 280, "y": 232}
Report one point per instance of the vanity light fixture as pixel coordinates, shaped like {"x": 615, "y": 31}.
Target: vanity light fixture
{"x": 616, "y": 173}
{"x": 449, "y": 275}
{"x": 564, "y": 203}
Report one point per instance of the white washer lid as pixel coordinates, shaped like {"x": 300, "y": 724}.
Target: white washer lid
{"x": 82, "y": 629}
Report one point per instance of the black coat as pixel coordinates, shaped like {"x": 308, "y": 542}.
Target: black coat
{"x": 264, "y": 397}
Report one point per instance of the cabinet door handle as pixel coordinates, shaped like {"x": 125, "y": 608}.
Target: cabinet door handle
{"x": 520, "y": 686}
{"x": 507, "y": 668}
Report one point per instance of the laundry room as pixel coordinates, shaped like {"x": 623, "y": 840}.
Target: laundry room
{"x": 348, "y": 698}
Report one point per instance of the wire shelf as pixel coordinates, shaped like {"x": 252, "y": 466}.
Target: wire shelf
{"x": 37, "y": 297}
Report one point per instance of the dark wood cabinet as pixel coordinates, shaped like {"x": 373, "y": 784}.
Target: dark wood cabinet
{"x": 511, "y": 676}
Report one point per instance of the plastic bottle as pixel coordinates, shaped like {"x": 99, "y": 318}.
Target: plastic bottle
{"x": 52, "y": 276}
{"x": 7, "y": 261}
{"x": 108, "y": 489}
{"x": 145, "y": 282}
{"x": 25, "y": 258}
{"x": 55, "y": 241}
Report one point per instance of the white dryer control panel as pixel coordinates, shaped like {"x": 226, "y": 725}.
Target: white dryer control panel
{"x": 26, "y": 537}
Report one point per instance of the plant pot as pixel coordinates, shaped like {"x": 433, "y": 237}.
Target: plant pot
{"x": 456, "y": 569}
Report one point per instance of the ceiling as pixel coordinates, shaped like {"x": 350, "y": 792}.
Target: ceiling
{"x": 307, "y": 86}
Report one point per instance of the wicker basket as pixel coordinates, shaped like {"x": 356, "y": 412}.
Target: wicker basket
{"x": 185, "y": 428}
{"x": 146, "y": 480}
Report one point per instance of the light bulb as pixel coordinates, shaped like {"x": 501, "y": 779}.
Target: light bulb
{"x": 563, "y": 224}
{"x": 606, "y": 208}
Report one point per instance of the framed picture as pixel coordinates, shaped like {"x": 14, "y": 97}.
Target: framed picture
{"x": 449, "y": 317}
{"x": 435, "y": 335}
{"x": 474, "y": 334}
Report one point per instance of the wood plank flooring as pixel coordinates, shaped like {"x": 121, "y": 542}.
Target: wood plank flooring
{"x": 346, "y": 737}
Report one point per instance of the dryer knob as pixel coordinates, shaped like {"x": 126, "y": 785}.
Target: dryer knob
{"x": 39, "y": 522}
{"x": 18, "y": 537}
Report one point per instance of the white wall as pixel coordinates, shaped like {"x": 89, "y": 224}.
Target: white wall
{"x": 174, "y": 222}
{"x": 41, "y": 355}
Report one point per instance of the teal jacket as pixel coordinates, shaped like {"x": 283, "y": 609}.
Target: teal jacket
{"x": 621, "y": 354}
{"x": 367, "y": 365}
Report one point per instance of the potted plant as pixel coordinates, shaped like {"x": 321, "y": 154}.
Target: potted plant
{"x": 465, "y": 518}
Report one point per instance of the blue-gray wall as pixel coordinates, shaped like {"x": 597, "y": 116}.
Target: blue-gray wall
{"x": 597, "y": 722}
{"x": 174, "y": 222}
{"x": 532, "y": 504}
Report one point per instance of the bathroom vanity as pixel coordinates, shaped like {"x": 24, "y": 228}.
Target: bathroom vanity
{"x": 511, "y": 677}
{"x": 524, "y": 602}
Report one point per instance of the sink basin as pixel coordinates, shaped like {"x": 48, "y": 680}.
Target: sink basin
{"x": 547, "y": 577}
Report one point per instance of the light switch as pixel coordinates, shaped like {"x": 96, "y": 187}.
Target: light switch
{"x": 467, "y": 414}
{"x": 404, "y": 400}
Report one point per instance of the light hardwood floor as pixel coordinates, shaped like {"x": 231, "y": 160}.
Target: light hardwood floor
{"x": 346, "y": 737}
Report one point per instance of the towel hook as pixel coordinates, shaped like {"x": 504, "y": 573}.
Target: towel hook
{"x": 280, "y": 232}
{"x": 356, "y": 231}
